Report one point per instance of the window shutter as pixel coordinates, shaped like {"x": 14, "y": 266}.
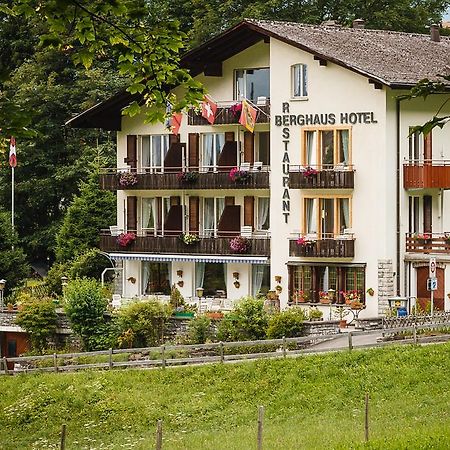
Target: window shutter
{"x": 427, "y": 213}
{"x": 131, "y": 158}
{"x": 194, "y": 214}
{"x": 229, "y": 201}
{"x": 249, "y": 147}
{"x": 428, "y": 147}
{"x": 249, "y": 211}
{"x": 174, "y": 139}
{"x": 193, "y": 150}
{"x": 230, "y": 221}
{"x": 229, "y": 136}
{"x": 131, "y": 213}
{"x": 174, "y": 221}
{"x": 228, "y": 154}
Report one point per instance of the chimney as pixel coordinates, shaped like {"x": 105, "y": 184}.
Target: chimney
{"x": 435, "y": 35}
{"x": 359, "y": 24}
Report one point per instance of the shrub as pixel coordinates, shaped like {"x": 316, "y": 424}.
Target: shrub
{"x": 247, "y": 321}
{"x": 287, "y": 323}
{"x": 176, "y": 299}
{"x": 39, "y": 319}
{"x": 142, "y": 324}
{"x": 199, "y": 330}
{"x": 53, "y": 278}
{"x": 85, "y": 307}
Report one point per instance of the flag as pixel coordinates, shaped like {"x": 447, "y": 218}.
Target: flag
{"x": 176, "y": 122}
{"x": 209, "y": 109}
{"x": 12, "y": 152}
{"x": 248, "y": 116}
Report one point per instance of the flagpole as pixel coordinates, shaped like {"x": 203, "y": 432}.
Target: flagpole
{"x": 12, "y": 199}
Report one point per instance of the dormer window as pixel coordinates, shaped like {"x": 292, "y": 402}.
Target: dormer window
{"x": 299, "y": 76}
{"x": 252, "y": 83}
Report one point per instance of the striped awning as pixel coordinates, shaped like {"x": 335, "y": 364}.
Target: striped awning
{"x": 196, "y": 258}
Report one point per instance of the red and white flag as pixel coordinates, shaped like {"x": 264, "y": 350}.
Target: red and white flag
{"x": 209, "y": 109}
{"x": 12, "y": 152}
{"x": 176, "y": 122}
{"x": 248, "y": 116}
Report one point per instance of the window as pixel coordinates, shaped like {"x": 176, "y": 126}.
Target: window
{"x": 414, "y": 145}
{"x": 326, "y": 148}
{"x": 153, "y": 151}
{"x": 260, "y": 279}
{"x": 156, "y": 277}
{"x": 252, "y": 83}
{"x": 212, "y": 278}
{"x": 263, "y": 213}
{"x": 212, "y": 144}
{"x": 326, "y": 217}
{"x": 212, "y": 212}
{"x": 154, "y": 213}
{"x": 263, "y": 147}
{"x": 310, "y": 280}
{"x": 413, "y": 216}
{"x": 299, "y": 78}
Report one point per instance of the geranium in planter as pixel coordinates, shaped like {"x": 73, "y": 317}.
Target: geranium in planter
{"x": 303, "y": 241}
{"x": 350, "y": 296}
{"x": 239, "y": 244}
{"x": 127, "y": 179}
{"x": 309, "y": 172}
{"x": 126, "y": 239}
{"x": 239, "y": 176}
{"x": 187, "y": 177}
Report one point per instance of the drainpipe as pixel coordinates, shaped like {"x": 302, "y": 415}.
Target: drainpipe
{"x": 398, "y": 187}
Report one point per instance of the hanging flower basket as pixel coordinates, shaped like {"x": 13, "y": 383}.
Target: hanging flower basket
{"x": 126, "y": 239}
{"x": 239, "y": 176}
{"x": 239, "y": 244}
{"x": 127, "y": 179}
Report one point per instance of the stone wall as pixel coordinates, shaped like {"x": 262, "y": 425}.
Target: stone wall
{"x": 322, "y": 327}
{"x": 386, "y": 284}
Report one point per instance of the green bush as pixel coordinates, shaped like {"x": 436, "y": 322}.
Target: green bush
{"x": 248, "y": 321}
{"x": 89, "y": 264}
{"x": 53, "y": 278}
{"x": 85, "y": 307}
{"x": 288, "y": 323}
{"x": 199, "y": 330}
{"x": 39, "y": 319}
{"x": 142, "y": 324}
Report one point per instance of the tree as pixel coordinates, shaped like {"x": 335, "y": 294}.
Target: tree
{"x": 86, "y": 306}
{"x": 88, "y": 213}
{"x": 13, "y": 265}
{"x": 39, "y": 319}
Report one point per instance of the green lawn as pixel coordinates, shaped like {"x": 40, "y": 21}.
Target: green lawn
{"x": 312, "y": 402}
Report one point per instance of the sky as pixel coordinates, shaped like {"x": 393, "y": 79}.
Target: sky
{"x": 447, "y": 15}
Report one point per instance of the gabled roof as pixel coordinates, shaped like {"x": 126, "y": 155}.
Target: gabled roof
{"x": 395, "y": 59}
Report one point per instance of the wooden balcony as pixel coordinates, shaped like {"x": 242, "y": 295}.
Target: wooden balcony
{"x": 324, "y": 248}
{"x": 301, "y": 177}
{"x": 259, "y": 246}
{"x": 426, "y": 174}
{"x": 225, "y": 116}
{"x": 258, "y": 179}
{"x": 428, "y": 243}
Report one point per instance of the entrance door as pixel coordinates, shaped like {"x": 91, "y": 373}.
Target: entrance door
{"x": 424, "y": 296}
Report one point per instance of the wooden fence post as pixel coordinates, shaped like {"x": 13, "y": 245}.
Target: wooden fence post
{"x": 159, "y": 435}
{"x": 222, "y": 357}
{"x": 163, "y": 356}
{"x": 63, "y": 437}
{"x": 284, "y": 346}
{"x": 55, "y": 362}
{"x": 110, "y": 359}
{"x": 366, "y": 419}
{"x": 5, "y": 365}
{"x": 350, "y": 340}
{"x": 260, "y": 427}
{"x": 415, "y": 333}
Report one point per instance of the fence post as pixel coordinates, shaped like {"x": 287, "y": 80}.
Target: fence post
{"x": 260, "y": 427}
{"x": 284, "y": 346}
{"x": 110, "y": 358}
{"x": 5, "y": 365}
{"x": 62, "y": 445}
{"x": 55, "y": 362}
{"x": 415, "y": 333}
{"x": 222, "y": 357}
{"x": 163, "y": 356}
{"x": 350, "y": 340}
{"x": 366, "y": 419}
{"x": 159, "y": 435}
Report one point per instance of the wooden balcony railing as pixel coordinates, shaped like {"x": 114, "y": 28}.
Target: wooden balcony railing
{"x": 259, "y": 246}
{"x": 225, "y": 116}
{"x": 426, "y": 174}
{"x": 336, "y": 247}
{"x": 428, "y": 242}
{"x": 314, "y": 177}
{"x": 197, "y": 179}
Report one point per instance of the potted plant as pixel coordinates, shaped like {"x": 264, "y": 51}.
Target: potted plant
{"x": 189, "y": 239}
{"x": 127, "y": 179}
{"x": 315, "y": 314}
{"x": 356, "y": 304}
{"x": 371, "y": 292}
{"x": 299, "y": 296}
{"x": 215, "y": 315}
{"x": 324, "y": 297}
{"x": 239, "y": 176}
{"x": 125, "y": 239}
{"x": 340, "y": 312}
{"x": 239, "y": 244}
{"x": 350, "y": 296}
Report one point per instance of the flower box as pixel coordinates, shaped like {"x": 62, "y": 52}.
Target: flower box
{"x": 239, "y": 176}
{"x": 125, "y": 239}
{"x": 127, "y": 179}
{"x": 239, "y": 244}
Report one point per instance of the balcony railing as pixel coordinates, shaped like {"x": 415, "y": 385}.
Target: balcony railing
{"x": 315, "y": 177}
{"x": 225, "y": 115}
{"x": 197, "y": 178}
{"x": 428, "y": 242}
{"x": 342, "y": 246}
{"x": 426, "y": 174}
{"x": 172, "y": 244}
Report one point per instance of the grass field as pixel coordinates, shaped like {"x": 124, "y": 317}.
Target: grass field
{"x": 312, "y": 402}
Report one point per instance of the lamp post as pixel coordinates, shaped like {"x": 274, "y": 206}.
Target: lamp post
{"x": 2, "y": 287}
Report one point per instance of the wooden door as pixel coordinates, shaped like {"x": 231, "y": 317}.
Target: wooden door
{"x": 423, "y": 295}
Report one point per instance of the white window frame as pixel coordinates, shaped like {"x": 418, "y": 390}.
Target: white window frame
{"x": 154, "y": 230}
{"x": 163, "y": 149}
{"x": 211, "y": 232}
{"x": 215, "y": 151}
{"x": 238, "y": 95}
{"x": 264, "y": 230}
{"x": 299, "y": 81}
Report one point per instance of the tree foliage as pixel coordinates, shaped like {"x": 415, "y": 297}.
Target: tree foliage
{"x": 39, "y": 319}
{"x": 85, "y": 307}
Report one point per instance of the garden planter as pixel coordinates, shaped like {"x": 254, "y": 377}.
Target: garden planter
{"x": 343, "y": 323}
{"x": 184, "y": 315}
{"x": 215, "y": 315}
